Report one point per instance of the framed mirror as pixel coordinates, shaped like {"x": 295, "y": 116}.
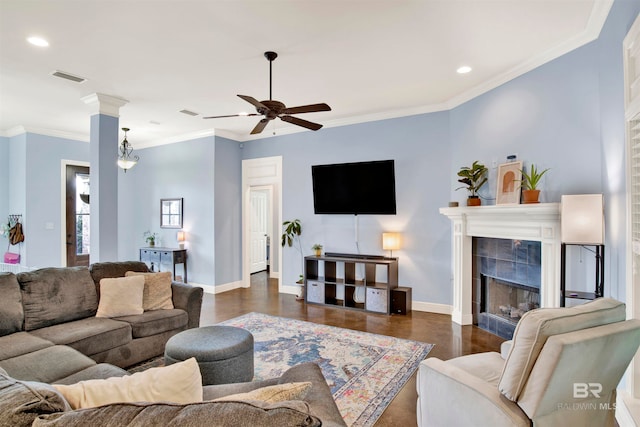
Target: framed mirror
{"x": 171, "y": 213}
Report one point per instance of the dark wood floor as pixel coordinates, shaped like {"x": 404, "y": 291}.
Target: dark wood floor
{"x": 450, "y": 339}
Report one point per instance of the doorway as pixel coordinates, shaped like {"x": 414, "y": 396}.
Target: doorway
{"x": 77, "y": 216}
{"x": 260, "y": 225}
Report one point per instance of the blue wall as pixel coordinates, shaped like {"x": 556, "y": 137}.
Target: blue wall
{"x": 421, "y": 150}
{"x": 182, "y": 170}
{"x": 35, "y": 192}
{"x": 567, "y": 115}
{"x": 228, "y": 211}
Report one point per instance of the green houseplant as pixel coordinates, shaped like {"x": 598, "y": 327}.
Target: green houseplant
{"x": 317, "y": 248}
{"x": 291, "y": 238}
{"x": 150, "y": 237}
{"x": 529, "y": 183}
{"x": 473, "y": 178}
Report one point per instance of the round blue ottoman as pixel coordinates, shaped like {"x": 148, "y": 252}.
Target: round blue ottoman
{"x": 224, "y": 353}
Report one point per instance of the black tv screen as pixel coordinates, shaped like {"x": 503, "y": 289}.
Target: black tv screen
{"x": 363, "y": 188}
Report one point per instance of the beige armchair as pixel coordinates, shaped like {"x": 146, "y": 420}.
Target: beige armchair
{"x": 561, "y": 369}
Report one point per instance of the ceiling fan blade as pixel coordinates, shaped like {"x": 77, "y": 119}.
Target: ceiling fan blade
{"x": 312, "y": 108}
{"x": 251, "y": 100}
{"x": 232, "y": 115}
{"x": 300, "y": 122}
{"x": 260, "y": 126}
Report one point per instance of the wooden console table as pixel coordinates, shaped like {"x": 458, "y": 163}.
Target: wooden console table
{"x": 164, "y": 259}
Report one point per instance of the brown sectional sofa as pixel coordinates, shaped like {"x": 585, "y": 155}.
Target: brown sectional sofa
{"x": 49, "y": 332}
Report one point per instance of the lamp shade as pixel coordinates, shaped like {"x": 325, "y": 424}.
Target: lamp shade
{"x": 390, "y": 241}
{"x": 181, "y": 237}
{"x": 582, "y": 219}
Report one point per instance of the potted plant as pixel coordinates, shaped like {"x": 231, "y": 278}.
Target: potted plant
{"x": 529, "y": 183}
{"x": 473, "y": 178}
{"x": 150, "y": 238}
{"x": 317, "y": 248}
{"x": 291, "y": 237}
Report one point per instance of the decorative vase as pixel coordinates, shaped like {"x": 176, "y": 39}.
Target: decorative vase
{"x": 474, "y": 201}
{"x": 152, "y": 243}
{"x": 530, "y": 196}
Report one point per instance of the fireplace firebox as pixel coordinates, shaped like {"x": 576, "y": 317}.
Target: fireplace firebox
{"x": 507, "y": 282}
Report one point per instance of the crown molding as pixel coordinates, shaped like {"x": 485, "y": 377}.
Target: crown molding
{"x": 19, "y": 130}
{"x": 176, "y": 138}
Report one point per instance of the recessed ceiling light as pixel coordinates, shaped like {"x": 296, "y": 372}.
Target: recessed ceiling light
{"x": 38, "y": 41}
{"x": 464, "y": 69}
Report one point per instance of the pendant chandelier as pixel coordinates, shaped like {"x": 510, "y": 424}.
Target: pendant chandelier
{"x": 125, "y": 159}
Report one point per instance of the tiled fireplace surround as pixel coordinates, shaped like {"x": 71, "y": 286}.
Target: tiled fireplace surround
{"x": 530, "y": 223}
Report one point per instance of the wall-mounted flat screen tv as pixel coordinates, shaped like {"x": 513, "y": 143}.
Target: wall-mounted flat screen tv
{"x": 363, "y": 188}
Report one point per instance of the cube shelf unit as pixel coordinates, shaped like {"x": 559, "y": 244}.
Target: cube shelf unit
{"x": 333, "y": 280}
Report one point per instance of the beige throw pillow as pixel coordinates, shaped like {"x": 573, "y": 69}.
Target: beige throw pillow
{"x": 157, "y": 290}
{"x": 177, "y": 383}
{"x": 272, "y": 394}
{"x": 120, "y": 296}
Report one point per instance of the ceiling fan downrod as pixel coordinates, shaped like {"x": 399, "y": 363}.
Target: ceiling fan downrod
{"x": 270, "y": 56}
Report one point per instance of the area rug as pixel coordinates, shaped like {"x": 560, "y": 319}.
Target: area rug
{"x": 364, "y": 371}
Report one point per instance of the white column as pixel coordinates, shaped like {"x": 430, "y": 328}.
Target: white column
{"x": 103, "y": 154}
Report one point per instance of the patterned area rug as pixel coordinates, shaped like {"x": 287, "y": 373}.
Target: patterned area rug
{"x": 365, "y": 371}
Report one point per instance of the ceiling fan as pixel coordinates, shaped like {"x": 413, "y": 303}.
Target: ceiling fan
{"x": 271, "y": 108}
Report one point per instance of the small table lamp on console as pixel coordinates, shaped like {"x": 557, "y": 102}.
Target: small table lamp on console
{"x": 390, "y": 242}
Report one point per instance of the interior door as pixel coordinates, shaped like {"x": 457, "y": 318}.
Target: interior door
{"x": 77, "y": 215}
{"x": 259, "y": 230}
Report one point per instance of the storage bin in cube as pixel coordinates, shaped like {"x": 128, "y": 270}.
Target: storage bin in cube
{"x": 315, "y": 292}
{"x": 377, "y": 300}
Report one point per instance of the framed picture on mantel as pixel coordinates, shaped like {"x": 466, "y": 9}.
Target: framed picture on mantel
{"x": 509, "y": 183}
{"x": 171, "y": 213}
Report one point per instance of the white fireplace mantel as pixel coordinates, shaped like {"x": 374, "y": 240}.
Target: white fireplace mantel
{"x": 536, "y": 222}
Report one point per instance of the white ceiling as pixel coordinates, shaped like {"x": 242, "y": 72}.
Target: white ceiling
{"x": 367, "y": 59}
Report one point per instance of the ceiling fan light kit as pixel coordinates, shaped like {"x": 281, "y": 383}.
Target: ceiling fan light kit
{"x": 272, "y": 109}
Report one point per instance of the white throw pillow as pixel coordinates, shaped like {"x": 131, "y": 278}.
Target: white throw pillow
{"x": 178, "y": 383}
{"x": 157, "y": 290}
{"x": 121, "y": 296}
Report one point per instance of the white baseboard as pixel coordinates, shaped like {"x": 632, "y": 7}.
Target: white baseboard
{"x": 216, "y": 289}
{"x": 431, "y": 307}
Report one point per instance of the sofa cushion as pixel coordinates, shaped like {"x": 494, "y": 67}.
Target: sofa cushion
{"x": 157, "y": 290}
{"x": 273, "y": 393}
{"x": 11, "y": 313}
{"x": 536, "y": 326}
{"x": 105, "y": 270}
{"x": 120, "y": 296}
{"x": 52, "y": 363}
{"x": 220, "y": 414}
{"x": 57, "y": 295}
{"x": 178, "y": 383}
{"x": 22, "y": 401}
{"x": 89, "y": 336}
{"x": 21, "y": 343}
{"x": 156, "y": 321}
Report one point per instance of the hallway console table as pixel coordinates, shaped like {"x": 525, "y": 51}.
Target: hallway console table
{"x": 164, "y": 259}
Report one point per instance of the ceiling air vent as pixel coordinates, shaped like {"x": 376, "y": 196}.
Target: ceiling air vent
{"x": 189, "y": 112}
{"x": 68, "y": 76}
